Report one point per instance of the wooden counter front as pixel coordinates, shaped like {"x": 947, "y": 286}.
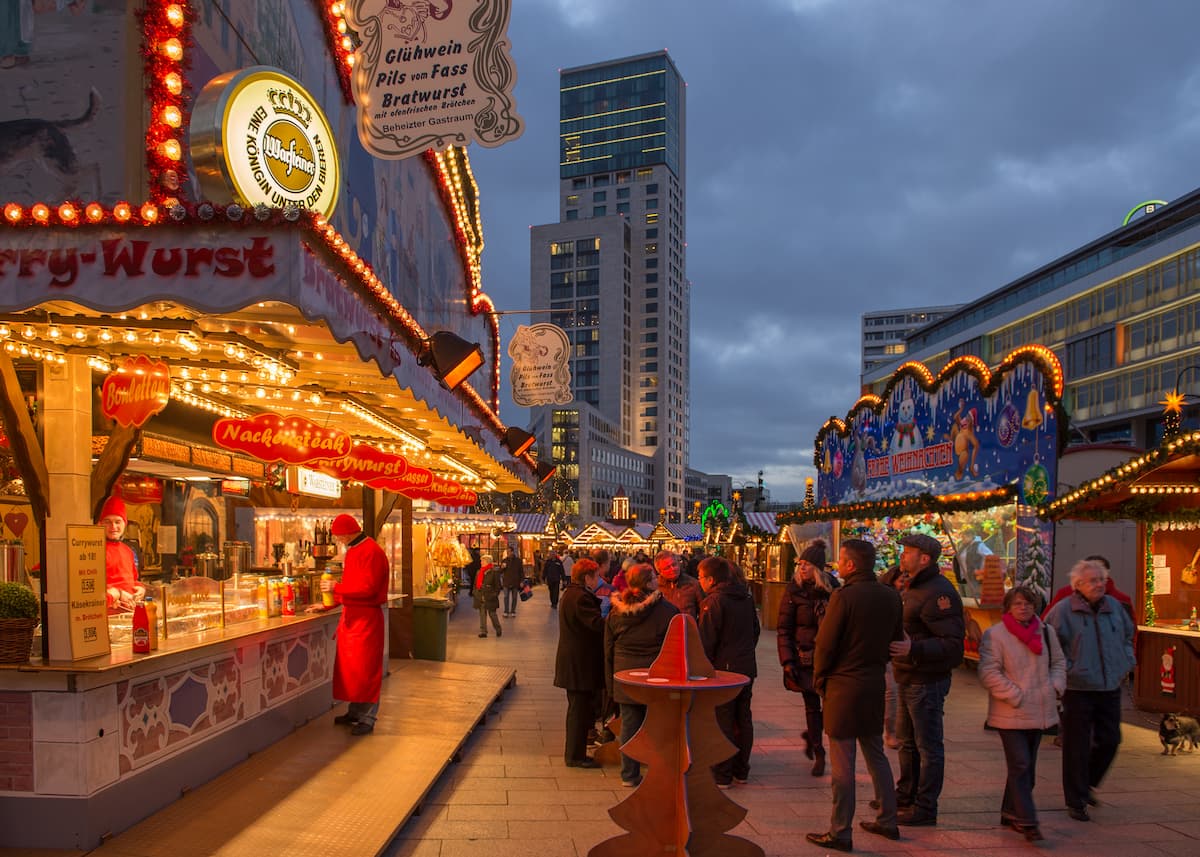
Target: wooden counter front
{"x": 1183, "y": 645}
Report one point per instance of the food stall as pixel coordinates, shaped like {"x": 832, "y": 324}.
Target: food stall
{"x": 967, "y": 456}
{"x": 224, "y": 348}
{"x": 1158, "y": 490}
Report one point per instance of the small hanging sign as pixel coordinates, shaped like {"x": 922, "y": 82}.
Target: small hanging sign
{"x": 136, "y": 391}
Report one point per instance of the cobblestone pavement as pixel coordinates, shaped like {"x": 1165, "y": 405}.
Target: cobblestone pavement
{"x": 512, "y": 795}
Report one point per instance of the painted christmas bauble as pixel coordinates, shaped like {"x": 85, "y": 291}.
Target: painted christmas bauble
{"x": 838, "y": 464}
{"x": 1036, "y": 485}
{"x": 1008, "y": 425}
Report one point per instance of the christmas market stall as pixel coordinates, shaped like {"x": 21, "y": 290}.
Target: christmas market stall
{"x": 1157, "y": 489}
{"x": 222, "y": 323}
{"x": 965, "y": 456}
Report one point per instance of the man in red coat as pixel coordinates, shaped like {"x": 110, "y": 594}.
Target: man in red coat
{"x": 358, "y": 667}
{"x": 120, "y": 570}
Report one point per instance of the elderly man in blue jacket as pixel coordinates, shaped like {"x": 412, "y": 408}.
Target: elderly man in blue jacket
{"x": 1097, "y": 638}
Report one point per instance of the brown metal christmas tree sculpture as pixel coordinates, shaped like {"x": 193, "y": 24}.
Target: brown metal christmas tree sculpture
{"x": 678, "y": 808}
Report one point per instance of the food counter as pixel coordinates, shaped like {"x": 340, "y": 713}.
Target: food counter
{"x": 114, "y": 738}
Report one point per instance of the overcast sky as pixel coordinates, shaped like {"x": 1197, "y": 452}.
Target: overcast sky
{"x": 853, "y": 155}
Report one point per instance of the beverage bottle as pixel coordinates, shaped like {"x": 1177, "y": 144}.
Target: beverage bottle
{"x": 264, "y": 610}
{"x": 276, "y": 603}
{"x": 289, "y": 599}
{"x": 141, "y": 629}
{"x": 327, "y": 597}
{"x": 152, "y": 621}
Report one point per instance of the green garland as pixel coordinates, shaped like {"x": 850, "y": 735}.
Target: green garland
{"x": 1150, "y": 614}
{"x": 917, "y": 504}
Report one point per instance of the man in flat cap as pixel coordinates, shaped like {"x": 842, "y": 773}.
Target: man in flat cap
{"x": 923, "y": 661}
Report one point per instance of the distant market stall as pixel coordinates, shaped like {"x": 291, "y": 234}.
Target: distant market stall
{"x": 1158, "y": 490}
{"x": 967, "y": 456}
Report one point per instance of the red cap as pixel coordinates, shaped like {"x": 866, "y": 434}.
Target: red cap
{"x": 344, "y": 525}
{"x": 114, "y": 506}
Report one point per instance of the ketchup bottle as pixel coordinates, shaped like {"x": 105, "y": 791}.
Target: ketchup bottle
{"x": 289, "y": 599}
{"x": 141, "y": 629}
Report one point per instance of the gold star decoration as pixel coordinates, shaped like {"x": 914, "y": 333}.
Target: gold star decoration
{"x": 1173, "y": 403}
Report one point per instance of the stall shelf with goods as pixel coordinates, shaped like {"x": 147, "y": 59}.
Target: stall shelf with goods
{"x": 1158, "y": 490}
{"x": 965, "y": 456}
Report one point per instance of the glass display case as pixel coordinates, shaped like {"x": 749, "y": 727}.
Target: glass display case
{"x": 195, "y": 604}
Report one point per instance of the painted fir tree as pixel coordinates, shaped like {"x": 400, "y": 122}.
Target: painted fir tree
{"x": 1034, "y": 568}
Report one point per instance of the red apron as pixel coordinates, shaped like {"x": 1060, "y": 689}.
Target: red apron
{"x": 119, "y": 571}
{"x": 358, "y": 666}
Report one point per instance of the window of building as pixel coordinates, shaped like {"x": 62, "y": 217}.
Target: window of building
{"x": 600, "y": 181}
{"x": 651, "y": 307}
{"x": 651, "y": 204}
{"x": 652, "y": 247}
{"x": 600, "y": 196}
{"x": 652, "y": 293}
{"x": 572, "y": 214}
{"x": 622, "y": 193}
{"x": 651, "y": 217}
{"x": 1091, "y": 354}
{"x": 599, "y": 210}
{"x": 651, "y": 233}
{"x": 622, "y": 208}
{"x": 652, "y": 263}
{"x": 645, "y": 173}
{"x": 651, "y": 278}
{"x": 652, "y": 189}
{"x": 578, "y": 184}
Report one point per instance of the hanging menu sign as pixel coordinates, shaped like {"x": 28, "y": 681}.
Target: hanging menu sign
{"x": 270, "y": 437}
{"x": 86, "y": 608}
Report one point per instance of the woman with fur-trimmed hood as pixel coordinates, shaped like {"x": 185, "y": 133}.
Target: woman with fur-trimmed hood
{"x": 633, "y": 635}
{"x": 800, "y": 613}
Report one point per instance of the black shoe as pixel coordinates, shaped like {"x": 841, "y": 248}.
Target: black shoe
{"x": 345, "y": 720}
{"x": 878, "y": 829}
{"x": 1031, "y": 832}
{"x": 585, "y": 762}
{"x": 483, "y": 635}
{"x": 1079, "y": 813}
{"x": 808, "y": 747}
{"x": 828, "y": 840}
{"x": 362, "y": 729}
{"x": 917, "y": 818}
{"x": 499, "y": 633}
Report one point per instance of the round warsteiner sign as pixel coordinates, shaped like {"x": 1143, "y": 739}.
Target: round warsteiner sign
{"x": 257, "y": 134}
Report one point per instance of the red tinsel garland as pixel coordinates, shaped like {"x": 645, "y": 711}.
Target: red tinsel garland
{"x": 166, "y": 57}
{"x": 341, "y": 45}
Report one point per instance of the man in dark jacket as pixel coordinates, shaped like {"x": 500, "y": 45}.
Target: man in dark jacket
{"x": 552, "y": 573}
{"x": 923, "y": 661}
{"x": 486, "y": 596}
{"x": 579, "y": 662}
{"x": 680, "y": 589}
{"x": 861, "y": 621}
{"x": 511, "y": 572}
{"x": 729, "y": 630}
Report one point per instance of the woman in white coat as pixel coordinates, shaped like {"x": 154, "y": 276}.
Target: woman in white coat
{"x": 1022, "y": 666}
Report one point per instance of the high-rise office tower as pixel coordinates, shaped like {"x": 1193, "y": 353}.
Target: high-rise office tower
{"x": 613, "y": 273}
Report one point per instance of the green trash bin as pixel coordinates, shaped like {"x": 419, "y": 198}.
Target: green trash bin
{"x": 431, "y": 620}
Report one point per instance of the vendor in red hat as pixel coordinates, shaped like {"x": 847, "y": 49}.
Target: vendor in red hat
{"x": 120, "y": 569}
{"x": 358, "y": 667}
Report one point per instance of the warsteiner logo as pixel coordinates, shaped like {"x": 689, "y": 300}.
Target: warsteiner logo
{"x": 276, "y": 146}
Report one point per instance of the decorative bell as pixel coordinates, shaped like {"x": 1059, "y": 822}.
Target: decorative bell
{"x": 1033, "y": 412}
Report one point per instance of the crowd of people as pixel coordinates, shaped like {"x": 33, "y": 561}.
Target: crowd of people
{"x": 873, "y": 657}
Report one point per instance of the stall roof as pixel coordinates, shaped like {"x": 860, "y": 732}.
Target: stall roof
{"x": 1160, "y": 484}
{"x": 533, "y": 523}
{"x": 764, "y": 521}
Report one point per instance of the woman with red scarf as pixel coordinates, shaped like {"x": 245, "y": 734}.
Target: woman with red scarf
{"x": 1022, "y": 666}
{"x": 362, "y": 591}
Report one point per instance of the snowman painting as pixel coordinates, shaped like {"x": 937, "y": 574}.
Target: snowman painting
{"x": 906, "y": 435}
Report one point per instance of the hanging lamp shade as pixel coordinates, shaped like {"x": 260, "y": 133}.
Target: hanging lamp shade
{"x": 452, "y": 357}
{"x": 517, "y": 441}
{"x": 544, "y": 471}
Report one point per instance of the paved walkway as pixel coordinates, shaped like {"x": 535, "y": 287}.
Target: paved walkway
{"x": 512, "y": 795}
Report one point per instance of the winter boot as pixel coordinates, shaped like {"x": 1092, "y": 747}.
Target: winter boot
{"x": 815, "y": 750}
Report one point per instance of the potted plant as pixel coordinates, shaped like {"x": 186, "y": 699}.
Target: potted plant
{"x": 19, "y": 615}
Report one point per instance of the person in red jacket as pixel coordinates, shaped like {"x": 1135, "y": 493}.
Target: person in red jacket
{"x": 1109, "y": 589}
{"x": 120, "y": 570}
{"x": 358, "y": 666}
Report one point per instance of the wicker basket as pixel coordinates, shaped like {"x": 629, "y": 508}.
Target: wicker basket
{"x": 16, "y": 640}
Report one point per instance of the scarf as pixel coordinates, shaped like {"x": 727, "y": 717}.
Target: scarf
{"x": 1029, "y": 634}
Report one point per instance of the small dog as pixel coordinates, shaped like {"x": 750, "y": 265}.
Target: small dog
{"x": 44, "y": 142}
{"x": 1178, "y": 732}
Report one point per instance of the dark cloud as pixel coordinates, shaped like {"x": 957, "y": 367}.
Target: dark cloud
{"x": 853, "y": 155}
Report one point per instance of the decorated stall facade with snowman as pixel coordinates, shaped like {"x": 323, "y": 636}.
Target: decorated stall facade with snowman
{"x": 966, "y": 456}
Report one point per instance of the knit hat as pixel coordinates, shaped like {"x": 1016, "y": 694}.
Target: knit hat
{"x": 814, "y": 554}
{"x": 114, "y": 506}
{"x": 344, "y": 525}
{"x": 924, "y": 543}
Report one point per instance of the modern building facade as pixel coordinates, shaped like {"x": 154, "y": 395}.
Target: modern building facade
{"x": 1122, "y": 313}
{"x": 884, "y": 332}
{"x": 613, "y": 270}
